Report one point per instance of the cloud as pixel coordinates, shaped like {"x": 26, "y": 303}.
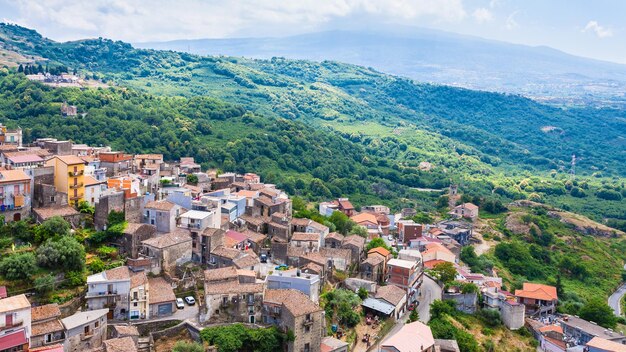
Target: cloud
{"x": 511, "y": 23}
{"x": 482, "y": 15}
{"x": 598, "y": 30}
{"x": 149, "y": 20}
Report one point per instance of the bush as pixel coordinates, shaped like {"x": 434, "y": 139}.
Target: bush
{"x": 45, "y": 284}
{"x": 18, "y": 266}
{"x": 107, "y": 252}
{"x": 64, "y": 253}
{"x": 490, "y": 317}
{"x": 184, "y": 346}
{"x": 96, "y": 266}
{"x": 75, "y": 278}
{"x": 53, "y": 227}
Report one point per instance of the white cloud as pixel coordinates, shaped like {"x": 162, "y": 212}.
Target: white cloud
{"x": 511, "y": 23}
{"x": 482, "y": 15}
{"x": 148, "y": 20}
{"x": 598, "y": 30}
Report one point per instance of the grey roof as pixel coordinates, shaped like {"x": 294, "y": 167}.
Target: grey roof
{"x": 378, "y": 305}
{"x": 82, "y": 318}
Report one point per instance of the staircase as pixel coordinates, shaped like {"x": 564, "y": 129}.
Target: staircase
{"x": 144, "y": 344}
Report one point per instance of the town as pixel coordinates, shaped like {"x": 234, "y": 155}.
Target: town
{"x": 174, "y": 250}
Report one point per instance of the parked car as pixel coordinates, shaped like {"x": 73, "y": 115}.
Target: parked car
{"x": 281, "y": 267}
{"x": 411, "y": 306}
{"x": 179, "y": 303}
{"x": 263, "y": 258}
{"x": 390, "y": 237}
{"x": 190, "y": 300}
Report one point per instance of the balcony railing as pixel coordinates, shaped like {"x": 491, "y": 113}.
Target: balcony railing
{"x": 307, "y": 322}
{"x": 15, "y": 323}
{"x": 77, "y": 185}
{"x": 193, "y": 226}
{"x": 86, "y": 335}
{"x": 77, "y": 197}
{"x": 76, "y": 174}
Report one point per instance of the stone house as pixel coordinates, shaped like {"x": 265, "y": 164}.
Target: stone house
{"x": 395, "y": 296}
{"x": 168, "y": 250}
{"x": 68, "y": 213}
{"x": 309, "y": 241}
{"x": 296, "y": 279}
{"x": 85, "y": 330}
{"x": 465, "y": 210}
{"x": 372, "y": 268}
{"x": 279, "y": 226}
{"x": 46, "y": 327}
{"x": 134, "y": 233}
{"x": 292, "y": 310}
{"x": 162, "y": 214}
{"x": 162, "y": 301}
{"x": 239, "y": 302}
{"x": 204, "y": 243}
{"x": 109, "y": 290}
{"x": 333, "y": 240}
{"x": 339, "y": 258}
{"x": 355, "y": 244}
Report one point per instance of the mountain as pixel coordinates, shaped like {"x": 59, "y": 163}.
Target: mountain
{"x": 440, "y": 57}
{"x": 496, "y": 145}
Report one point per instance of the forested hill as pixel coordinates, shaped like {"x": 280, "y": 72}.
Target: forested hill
{"x": 495, "y": 129}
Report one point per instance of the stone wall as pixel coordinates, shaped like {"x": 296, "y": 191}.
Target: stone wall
{"x": 105, "y": 205}
{"x": 513, "y": 315}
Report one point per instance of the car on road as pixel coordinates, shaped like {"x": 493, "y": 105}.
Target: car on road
{"x": 281, "y": 267}
{"x": 390, "y": 237}
{"x": 190, "y": 300}
{"x": 179, "y": 303}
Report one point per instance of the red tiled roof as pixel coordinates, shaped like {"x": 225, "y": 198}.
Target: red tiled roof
{"x": 537, "y": 291}
{"x": 14, "y": 339}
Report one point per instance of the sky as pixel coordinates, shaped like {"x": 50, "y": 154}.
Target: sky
{"x": 594, "y": 29}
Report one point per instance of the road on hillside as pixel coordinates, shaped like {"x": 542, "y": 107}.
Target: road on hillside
{"x": 616, "y": 298}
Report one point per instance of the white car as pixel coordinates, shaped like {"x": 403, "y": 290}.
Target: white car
{"x": 390, "y": 238}
{"x": 179, "y": 303}
{"x": 190, "y": 300}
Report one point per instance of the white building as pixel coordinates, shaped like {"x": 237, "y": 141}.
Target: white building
{"x": 309, "y": 284}
{"x": 197, "y": 220}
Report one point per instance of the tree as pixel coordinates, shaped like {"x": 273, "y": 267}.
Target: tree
{"x": 19, "y": 266}
{"x": 375, "y": 243}
{"x": 184, "y": 346}
{"x": 362, "y": 292}
{"x": 445, "y": 272}
{"x": 55, "y": 226}
{"x": 359, "y": 230}
{"x": 115, "y": 217}
{"x": 85, "y": 208}
{"x": 192, "y": 179}
{"x": 441, "y": 308}
{"x": 45, "y": 284}
{"x": 20, "y": 69}
{"x": 65, "y": 253}
{"x": 342, "y": 222}
{"x": 423, "y": 218}
{"x": 20, "y": 230}
{"x": 414, "y": 316}
{"x": 598, "y": 311}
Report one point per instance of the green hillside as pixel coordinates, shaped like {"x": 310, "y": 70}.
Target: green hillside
{"x": 494, "y": 145}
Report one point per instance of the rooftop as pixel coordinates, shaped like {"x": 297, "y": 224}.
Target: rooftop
{"x": 606, "y": 345}
{"x": 305, "y": 236}
{"x": 391, "y": 293}
{"x": 230, "y": 287}
{"x": 14, "y": 303}
{"x": 196, "y": 214}
{"x": 169, "y": 239}
{"x": 122, "y": 344}
{"x": 294, "y": 301}
{"x": 160, "y": 291}
{"x": 48, "y": 212}
{"x": 164, "y": 205}
{"x": 413, "y": 337}
{"x": 220, "y": 274}
{"x": 589, "y": 327}
{"x": 407, "y": 264}
{"x": 45, "y": 312}
{"x": 69, "y": 159}
{"x": 82, "y": 318}
{"x": 537, "y": 291}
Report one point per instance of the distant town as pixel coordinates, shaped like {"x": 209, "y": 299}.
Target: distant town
{"x": 170, "y": 242}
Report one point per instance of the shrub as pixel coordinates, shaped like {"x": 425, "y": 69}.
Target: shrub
{"x": 18, "y": 266}
{"x": 65, "y": 253}
{"x": 45, "y": 284}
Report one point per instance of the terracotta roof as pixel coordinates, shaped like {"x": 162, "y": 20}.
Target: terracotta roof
{"x": 553, "y": 327}
{"x": 435, "y": 247}
{"x": 255, "y": 220}
{"x": 331, "y": 253}
{"x": 335, "y": 235}
{"x": 407, "y": 338}
{"x": 236, "y": 236}
{"x": 314, "y": 267}
{"x": 160, "y": 291}
{"x": 246, "y": 261}
{"x": 537, "y": 291}
{"x": 431, "y": 263}
{"x": 46, "y": 327}
{"x": 70, "y": 159}
{"x": 12, "y": 339}
{"x": 380, "y": 250}
{"x": 169, "y": 239}
{"x": 28, "y": 158}
{"x": 224, "y": 252}
{"x": 469, "y": 206}
{"x": 294, "y": 301}
{"x": 606, "y": 345}
{"x": 209, "y": 232}
{"x": 90, "y": 181}
{"x": 220, "y": 274}
{"x": 330, "y": 343}
{"x": 44, "y": 312}
{"x": 51, "y": 348}
{"x": 133, "y": 227}
{"x": 364, "y": 217}
{"x": 48, "y": 212}
{"x": 374, "y": 260}
{"x": 160, "y": 205}
{"x": 300, "y": 221}
{"x": 232, "y": 287}
{"x": 265, "y": 201}
{"x": 305, "y": 236}
{"x": 248, "y": 194}
{"x": 138, "y": 279}
{"x": 13, "y": 303}
{"x": 355, "y": 240}
{"x": 345, "y": 204}
{"x": 119, "y": 273}
{"x": 126, "y": 330}
{"x": 149, "y": 156}
{"x": 390, "y": 293}
{"x": 122, "y": 344}
{"x": 254, "y": 236}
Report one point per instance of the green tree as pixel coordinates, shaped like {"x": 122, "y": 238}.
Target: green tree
{"x": 192, "y": 179}
{"x": 445, "y": 272}
{"x": 55, "y": 226}
{"x": 342, "y": 222}
{"x": 376, "y": 242}
{"x": 45, "y": 284}
{"x": 19, "y": 266}
{"x": 65, "y": 253}
{"x": 598, "y": 311}
{"x": 359, "y": 230}
{"x": 362, "y": 292}
{"x": 414, "y": 316}
{"x": 423, "y": 218}
{"x": 84, "y": 208}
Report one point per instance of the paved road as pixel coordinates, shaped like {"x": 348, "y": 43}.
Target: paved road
{"x": 429, "y": 292}
{"x": 616, "y": 298}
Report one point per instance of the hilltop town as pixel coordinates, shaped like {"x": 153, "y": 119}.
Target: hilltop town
{"x": 116, "y": 252}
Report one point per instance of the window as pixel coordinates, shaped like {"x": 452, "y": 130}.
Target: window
{"x": 52, "y": 199}
{"x": 307, "y": 347}
{"x": 48, "y": 338}
{"x": 135, "y": 304}
{"x": 97, "y": 324}
{"x": 307, "y": 328}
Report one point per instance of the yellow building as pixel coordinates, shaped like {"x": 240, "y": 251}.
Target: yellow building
{"x": 69, "y": 176}
{"x": 138, "y": 297}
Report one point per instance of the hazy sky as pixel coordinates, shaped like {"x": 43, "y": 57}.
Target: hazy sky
{"x": 591, "y": 28}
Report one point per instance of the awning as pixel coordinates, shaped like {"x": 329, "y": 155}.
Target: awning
{"x": 378, "y": 305}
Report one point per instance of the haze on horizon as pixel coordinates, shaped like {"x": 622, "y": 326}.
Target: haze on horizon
{"x": 589, "y": 29}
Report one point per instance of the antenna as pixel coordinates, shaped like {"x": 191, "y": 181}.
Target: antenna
{"x": 572, "y": 170}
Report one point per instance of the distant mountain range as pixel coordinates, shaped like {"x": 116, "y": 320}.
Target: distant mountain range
{"x": 440, "y": 57}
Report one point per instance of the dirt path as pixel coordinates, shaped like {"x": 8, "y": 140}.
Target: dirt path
{"x": 483, "y": 246}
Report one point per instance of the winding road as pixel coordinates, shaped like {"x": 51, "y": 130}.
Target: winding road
{"x": 616, "y": 298}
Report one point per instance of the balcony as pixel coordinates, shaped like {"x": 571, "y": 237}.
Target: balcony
{"x": 101, "y": 294}
{"x": 307, "y": 322}
{"x": 193, "y": 226}
{"x": 76, "y": 174}
{"x": 86, "y": 335}
{"x": 77, "y": 197}
{"x": 14, "y": 324}
{"x": 77, "y": 185}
